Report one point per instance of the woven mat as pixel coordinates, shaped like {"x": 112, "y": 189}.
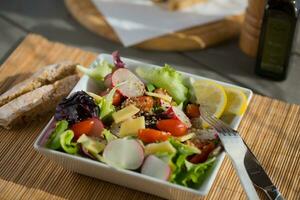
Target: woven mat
{"x": 270, "y": 127}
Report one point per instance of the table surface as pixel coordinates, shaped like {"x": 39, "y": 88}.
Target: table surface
{"x": 271, "y": 129}
{"x": 224, "y": 62}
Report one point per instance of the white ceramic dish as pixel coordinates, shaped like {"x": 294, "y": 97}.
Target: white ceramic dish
{"x": 128, "y": 178}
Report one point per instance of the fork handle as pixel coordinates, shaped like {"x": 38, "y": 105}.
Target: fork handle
{"x": 245, "y": 180}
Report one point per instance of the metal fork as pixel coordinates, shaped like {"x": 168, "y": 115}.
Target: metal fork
{"x": 236, "y": 150}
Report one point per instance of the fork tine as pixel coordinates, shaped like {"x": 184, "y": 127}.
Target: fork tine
{"x": 210, "y": 120}
{"x": 224, "y": 127}
{"x": 220, "y": 122}
{"x": 228, "y": 128}
{"x": 214, "y": 124}
{"x": 219, "y": 125}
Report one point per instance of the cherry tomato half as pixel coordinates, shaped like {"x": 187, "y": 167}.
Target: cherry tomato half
{"x": 149, "y": 135}
{"x": 117, "y": 99}
{"x": 174, "y": 126}
{"x": 90, "y": 127}
{"x": 192, "y": 111}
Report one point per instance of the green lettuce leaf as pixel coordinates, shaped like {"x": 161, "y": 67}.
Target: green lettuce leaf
{"x": 106, "y": 104}
{"x": 183, "y": 151}
{"x": 98, "y": 71}
{"x": 108, "y": 135}
{"x": 196, "y": 173}
{"x": 184, "y": 172}
{"x": 150, "y": 87}
{"x": 167, "y": 78}
{"x": 67, "y": 144}
{"x": 54, "y": 140}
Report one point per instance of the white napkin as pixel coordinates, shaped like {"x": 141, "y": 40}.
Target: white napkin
{"x": 135, "y": 21}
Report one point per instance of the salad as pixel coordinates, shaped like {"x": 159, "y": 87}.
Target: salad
{"x": 147, "y": 120}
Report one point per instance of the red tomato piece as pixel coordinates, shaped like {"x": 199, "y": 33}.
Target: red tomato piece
{"x": 117, "y": 99}
{"x": 192, "y": 111}
{"x": 205, "y": 151}
{"x": 91, "y": 127}
{"x": 174, "y": 126}
{"x": 149, "y": 135}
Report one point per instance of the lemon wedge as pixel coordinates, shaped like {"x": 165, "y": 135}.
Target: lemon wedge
{"x": 236, "y": 101}
{"x": 211, "y": 96}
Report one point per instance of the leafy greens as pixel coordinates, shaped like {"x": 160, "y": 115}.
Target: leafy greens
{"x": 54, "y": 140}
{"x": 98, "y": 71}
{"x": 184, "y": 172}
{"x": 167, "y": 78}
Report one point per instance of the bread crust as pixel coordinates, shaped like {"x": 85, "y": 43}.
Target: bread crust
{"x": 44, "y": 76}
{"x": 36, "y": 103}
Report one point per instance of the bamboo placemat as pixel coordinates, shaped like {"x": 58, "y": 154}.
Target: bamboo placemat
{"x": 270, "y": 127}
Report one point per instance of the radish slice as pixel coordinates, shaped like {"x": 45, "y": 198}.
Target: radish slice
{"x": 124, "y": 153}
{"x": 133, "y": 87}
{"x": 157, "y": 168}
{"x": 176, "y": 113}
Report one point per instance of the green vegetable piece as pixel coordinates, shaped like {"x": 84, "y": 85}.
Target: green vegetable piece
{"x": 99, "y": 158}
{"x": 186, "y": 173}
{"x": 105, "y": 104}
{"x": 54, "y": 140}
{"x": 67, "y": 144}
{"x": 108, "y": 135}
{"x": 183, "y": 148}
{"x": 98, "y": 71}
{"x": 167, "y": 78}
{"x": 183, "y": 151}
{"x": 92, "y": 145}
{"x": 150, "y": 87}
{"x": 196, "y": 173}
{"x": 167, "y": 157}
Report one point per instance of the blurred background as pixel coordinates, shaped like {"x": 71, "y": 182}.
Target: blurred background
{"x": 224, "y": 60}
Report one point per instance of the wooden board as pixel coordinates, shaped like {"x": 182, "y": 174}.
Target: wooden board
{"x": 190, "y": 39}
{"x": 270, "y": 127}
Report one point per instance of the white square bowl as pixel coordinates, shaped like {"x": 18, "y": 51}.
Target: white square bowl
{"x": 128, "y": 178}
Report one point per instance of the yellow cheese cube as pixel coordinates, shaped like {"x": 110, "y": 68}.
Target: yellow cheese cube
{"x": 185, "y": 137}
{"x": 125, "y": 113}
{"x": 132, "y": 126}
{"x": 163, "y": 147}
{"x": 167, "y": 98}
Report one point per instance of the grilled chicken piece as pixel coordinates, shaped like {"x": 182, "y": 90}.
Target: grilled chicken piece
{"x": 144, "y": 103}
{"x": 36, "y": 103}
{"x": 44, "y": 76}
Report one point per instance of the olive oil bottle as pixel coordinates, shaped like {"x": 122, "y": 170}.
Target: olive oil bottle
{"x": 276, "y": 38}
